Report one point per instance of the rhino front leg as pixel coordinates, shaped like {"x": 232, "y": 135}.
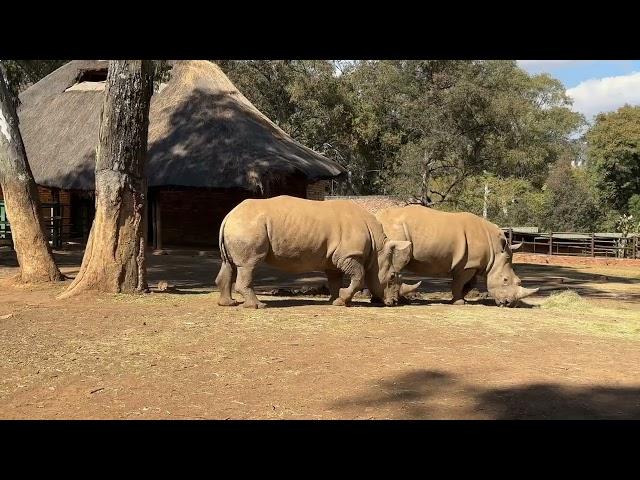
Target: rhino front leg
{"x": 244, "y": 285}
{"x": 469, "y": 285}
{"x": 459, "y": 285}
{"x": 334, "y": 279}
{"x": 354, "y": 269}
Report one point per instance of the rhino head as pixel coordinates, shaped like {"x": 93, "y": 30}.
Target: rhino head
{"x": 502, "y": 282}
{"x": 384, "y": 282}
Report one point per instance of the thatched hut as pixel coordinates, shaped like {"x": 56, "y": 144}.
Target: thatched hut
{"x": 209, "y": 148}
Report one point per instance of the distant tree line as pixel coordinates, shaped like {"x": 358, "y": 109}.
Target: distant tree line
{"x": 452, "y": 134}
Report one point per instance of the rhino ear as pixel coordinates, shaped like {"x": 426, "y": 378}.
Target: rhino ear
{"x": 400, "y": 251}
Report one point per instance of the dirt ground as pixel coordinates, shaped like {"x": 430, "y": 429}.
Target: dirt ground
{"x": 178, "y": 355}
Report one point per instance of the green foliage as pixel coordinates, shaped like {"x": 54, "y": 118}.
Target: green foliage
{"x": 22, "y": 73}
{"x": 634, "y": 207}
{"x": 572, "y": 203}
{"x": 614, "y": 155}
{"x": 418, "y": 128}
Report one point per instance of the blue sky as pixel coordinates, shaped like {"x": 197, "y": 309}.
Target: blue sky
{"x": 595, "y": 85}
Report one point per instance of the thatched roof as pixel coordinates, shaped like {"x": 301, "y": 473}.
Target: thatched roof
{"x": 202, "y": 132}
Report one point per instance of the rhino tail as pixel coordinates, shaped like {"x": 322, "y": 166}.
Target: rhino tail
{"x": 223, "y": 249}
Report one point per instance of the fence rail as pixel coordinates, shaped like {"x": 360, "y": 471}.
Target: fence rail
{"x": 57, "y": 227}
{"x": 576, "y": 243}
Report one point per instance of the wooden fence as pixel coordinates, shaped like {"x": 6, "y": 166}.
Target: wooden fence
{"x": 576, "y": 243}
{"x": 56, "y": 226}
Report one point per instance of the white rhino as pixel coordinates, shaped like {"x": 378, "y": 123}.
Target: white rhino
{"x": 298, "y": 235}
{"x": 460, "y": 245}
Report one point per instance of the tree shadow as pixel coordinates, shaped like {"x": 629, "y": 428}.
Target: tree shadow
{"x": 420, "y": 394}
{"x": 411, "y": 392}
{"x": 549, "y": 278}
{"x": 550, "y": 401}
{"x": 308, "y": 301}
{"x": 487, "y": 302}
{"x": 188, "y": 272}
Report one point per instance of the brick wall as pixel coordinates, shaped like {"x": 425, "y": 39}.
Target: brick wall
{"x": 192, "y": 217}
{"x": 318, "y": 190}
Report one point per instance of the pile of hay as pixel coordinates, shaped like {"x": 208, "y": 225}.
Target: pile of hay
{"x": 566, "y": 300}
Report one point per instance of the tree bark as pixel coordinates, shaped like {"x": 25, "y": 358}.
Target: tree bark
{"x": 21, "y": 199}
{"x": 114, "y": 260}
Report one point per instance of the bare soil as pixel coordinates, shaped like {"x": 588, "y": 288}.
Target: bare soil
{"x": 177, "y": 354}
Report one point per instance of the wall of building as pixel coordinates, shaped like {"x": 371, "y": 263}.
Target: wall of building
{"x": 192, "y": 217}
{"x": 189, "y": 217}
{"x": 318, "y": 190}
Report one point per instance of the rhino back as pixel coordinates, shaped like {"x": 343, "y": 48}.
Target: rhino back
{"x": 442, "y": 241}
{"x": 299, "y": 234}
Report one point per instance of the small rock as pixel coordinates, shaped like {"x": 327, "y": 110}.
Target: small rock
{"x": 4, "y": 317}
{"x": 164, "y": 286}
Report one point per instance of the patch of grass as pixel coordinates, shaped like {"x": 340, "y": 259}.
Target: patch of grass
{"x": 566, "y": 300}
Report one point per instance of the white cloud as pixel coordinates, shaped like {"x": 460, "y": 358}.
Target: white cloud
{"x": 605, "y": 94}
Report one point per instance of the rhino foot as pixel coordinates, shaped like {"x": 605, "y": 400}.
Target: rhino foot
{"x": 458, "y": 302}
{"x": 254, "y": 305}
{"x": 227, "y": 302}
{"x": 340, "y": 302}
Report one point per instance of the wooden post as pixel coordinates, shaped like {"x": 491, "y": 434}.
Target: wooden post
{"x": 56, "y": 219}
{"x": 550, "y": 243}
{"x": 593, "y": 244}
{"x": 510, "y": 236}
{"x": 154, "y": 225}
{"x": 157, "y": 225}
{"x": 145, "y": 220}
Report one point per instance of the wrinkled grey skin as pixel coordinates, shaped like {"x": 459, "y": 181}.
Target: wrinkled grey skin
{"x": 458, "y": 245}
{"x": 298, "y": 235}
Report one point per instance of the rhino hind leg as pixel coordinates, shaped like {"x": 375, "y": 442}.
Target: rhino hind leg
{"x": 462, "y": 283}
{"x": 334, "y": 279}
{"x": 224, "y": 281}
{"x": 244, "y": 285}
{"x": 355, "y": 270}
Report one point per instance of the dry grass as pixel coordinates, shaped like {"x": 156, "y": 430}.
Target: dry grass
{"x": 566, "y": 300}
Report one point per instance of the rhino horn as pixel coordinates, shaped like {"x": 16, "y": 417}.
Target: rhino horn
{"x": 406, "y": 289}
{"x": 525, "y": 292}
{"x": 516, "y": 246}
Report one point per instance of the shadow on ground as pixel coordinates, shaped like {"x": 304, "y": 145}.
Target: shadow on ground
{"x": 416, "y": 395}
{"x": 188, "y": 272}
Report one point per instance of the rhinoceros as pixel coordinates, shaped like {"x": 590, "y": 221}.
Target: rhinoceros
{"x": 460, "y": 245}
{"x": 298, "y": 235}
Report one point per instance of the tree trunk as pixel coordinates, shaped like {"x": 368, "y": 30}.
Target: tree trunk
{"x": 114, "y": 260}
{"x": 425, "y": 191}
{"x": 21, "y": 199}
{"x": 485, "y": 202}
